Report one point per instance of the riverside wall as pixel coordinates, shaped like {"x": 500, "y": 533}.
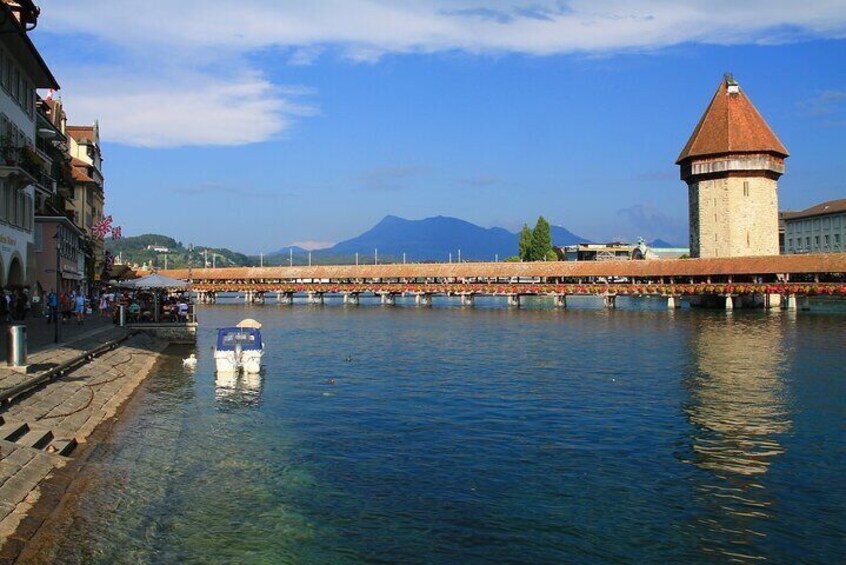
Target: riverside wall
{"x": 43, "y": 431}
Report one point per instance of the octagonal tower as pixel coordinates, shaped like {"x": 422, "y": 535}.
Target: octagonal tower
{"x": 731, "y": 165}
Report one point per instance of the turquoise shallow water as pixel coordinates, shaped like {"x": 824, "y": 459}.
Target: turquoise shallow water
{"x": 484, "y": 435}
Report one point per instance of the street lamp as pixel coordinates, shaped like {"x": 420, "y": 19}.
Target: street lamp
{"x": 56, "y": 332}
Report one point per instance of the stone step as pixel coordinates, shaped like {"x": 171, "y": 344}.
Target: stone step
{"x": 11, "y": 431}
{"x": 35, "y": 438}
{"x": 63, "y": 447}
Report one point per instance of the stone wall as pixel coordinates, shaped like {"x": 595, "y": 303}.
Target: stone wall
{"x": 733, "y": 217}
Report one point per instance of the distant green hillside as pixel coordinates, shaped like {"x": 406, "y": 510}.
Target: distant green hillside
{"x": 138, "y": 250}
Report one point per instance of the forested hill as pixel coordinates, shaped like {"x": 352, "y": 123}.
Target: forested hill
{"x": 138, "y": 250}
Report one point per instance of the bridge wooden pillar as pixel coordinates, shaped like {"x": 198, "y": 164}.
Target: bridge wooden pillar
{"x": 671, "y": 303}
{"x": 389, "y": 298}
{"x": 559, "y": 300}
{"x": 351, "y": 298}
{"x": 467, "y": 299}
{"x": 514, "y": 300}
{"x": 791, "y": 302}
{"x": 610, "y": 300}
{"x": 772, "y": 301}
{"x": 729, "y": 302}
{"x": 424, "y": 299}
{"x": 315, "y": 298}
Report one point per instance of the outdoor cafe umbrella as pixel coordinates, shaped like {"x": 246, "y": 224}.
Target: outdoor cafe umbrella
{"x": 155, "y": 282}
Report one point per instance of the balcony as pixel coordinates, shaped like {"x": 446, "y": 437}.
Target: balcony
{"x": 23, "y": 166}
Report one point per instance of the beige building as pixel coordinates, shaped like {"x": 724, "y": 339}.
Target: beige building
{"x": 819, "y": 229}
{"x": 87, "y": 198}
{"x": 731, "y": 165}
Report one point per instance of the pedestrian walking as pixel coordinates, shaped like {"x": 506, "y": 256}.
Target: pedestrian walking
{"x": 52, "y": 307}
{"x": 79, "y": 308}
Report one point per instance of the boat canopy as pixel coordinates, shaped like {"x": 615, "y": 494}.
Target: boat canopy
{"x": 248, "y": 338}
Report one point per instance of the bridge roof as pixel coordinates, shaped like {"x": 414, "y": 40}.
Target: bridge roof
{"x": 778, "y": 264}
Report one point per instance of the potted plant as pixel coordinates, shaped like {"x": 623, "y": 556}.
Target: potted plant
{"x": 9, "y": 150}
{"x": 30, "y": 161}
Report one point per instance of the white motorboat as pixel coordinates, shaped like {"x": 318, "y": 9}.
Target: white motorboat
{"x": 239, "y": 349}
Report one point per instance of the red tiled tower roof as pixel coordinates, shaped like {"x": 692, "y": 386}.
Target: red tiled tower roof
{"x": 731, "y": 124}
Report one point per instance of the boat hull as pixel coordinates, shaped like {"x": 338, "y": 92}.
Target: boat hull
{"x": 230, "y": 362}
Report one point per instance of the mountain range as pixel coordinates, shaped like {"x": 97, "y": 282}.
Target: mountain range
{"x": 430, "y": 239}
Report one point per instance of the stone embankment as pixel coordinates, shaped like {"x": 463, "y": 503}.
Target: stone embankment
{"x": 41, "y": 428}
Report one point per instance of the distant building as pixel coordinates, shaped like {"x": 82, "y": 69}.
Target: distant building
{"x": 731, "y": 164}
{"x": 158, "y": 248}
{"x": 613, "y": 251}
{"x": 819, "y": 229}
{"x": 88, "y": 199}
{"x": 617, "y": 251}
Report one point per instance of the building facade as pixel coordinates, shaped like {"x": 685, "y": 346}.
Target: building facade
{"x": 87, "y": 199}
{"x": 819, "y": 229}
{"x": 731, "y": 164}
{"x": 22, "y": 166}
{"x": 58, "y": 236}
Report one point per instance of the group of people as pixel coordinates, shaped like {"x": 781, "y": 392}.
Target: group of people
{"x": 141, "y": 307}
{"x": 75, "y": 305}
{"x": 15, "y": 304}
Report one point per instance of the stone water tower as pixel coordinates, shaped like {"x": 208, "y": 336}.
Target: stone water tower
{"x": 731, "y": 165}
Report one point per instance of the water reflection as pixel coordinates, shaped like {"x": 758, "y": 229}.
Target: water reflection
{"x": 232, "y": 389}
{"x": 737, "y": 407}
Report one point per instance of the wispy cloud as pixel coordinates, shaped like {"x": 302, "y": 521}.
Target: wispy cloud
{"x": 825, "y": 103}
{"x": 311, "y": 244}
{"x": 171, "y": 75}
{"x": 829, "y": 106}
{"x": 391, "y": 178}
{"x": 649, "y": 222}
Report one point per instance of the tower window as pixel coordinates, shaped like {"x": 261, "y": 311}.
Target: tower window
{"x": 747, "y": 239}
{"x": 746, "y": 188}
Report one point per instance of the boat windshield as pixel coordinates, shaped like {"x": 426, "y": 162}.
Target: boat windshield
{"x": 247, "y": 338}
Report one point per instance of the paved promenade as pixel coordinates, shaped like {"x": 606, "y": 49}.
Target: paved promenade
{"x": 40, "y": 429}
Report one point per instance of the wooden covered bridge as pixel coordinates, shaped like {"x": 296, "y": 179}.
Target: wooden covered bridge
{"x": 770, "y": 281}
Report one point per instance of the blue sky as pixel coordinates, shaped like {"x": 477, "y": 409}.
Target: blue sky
{"x": 307, "y": 122}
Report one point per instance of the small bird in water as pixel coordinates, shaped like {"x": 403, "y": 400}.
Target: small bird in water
{"x": 190, "y": 361}
{"x": 330, "y": 381}
{"x": 348, "y": 359}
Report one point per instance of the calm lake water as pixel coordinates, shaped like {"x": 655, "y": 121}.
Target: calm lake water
{"x": 485, "y": 435}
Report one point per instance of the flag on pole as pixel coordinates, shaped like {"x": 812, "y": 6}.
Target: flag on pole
{"x": 101, "y": 229}
{"x": 116, "y": 232}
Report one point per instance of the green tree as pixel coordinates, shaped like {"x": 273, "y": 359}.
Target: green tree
{"x": 525, "y": 248}
{"x": 541, "y": 245}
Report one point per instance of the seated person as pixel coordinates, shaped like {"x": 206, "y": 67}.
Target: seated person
{"x": 134, "y": 311}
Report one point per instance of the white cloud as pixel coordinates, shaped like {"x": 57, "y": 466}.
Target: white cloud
{"x": 311, "y": 244}
{"x": 201, "y": 39}
{"x": 177, "y": 109}
{"x": 527, "y": 26}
